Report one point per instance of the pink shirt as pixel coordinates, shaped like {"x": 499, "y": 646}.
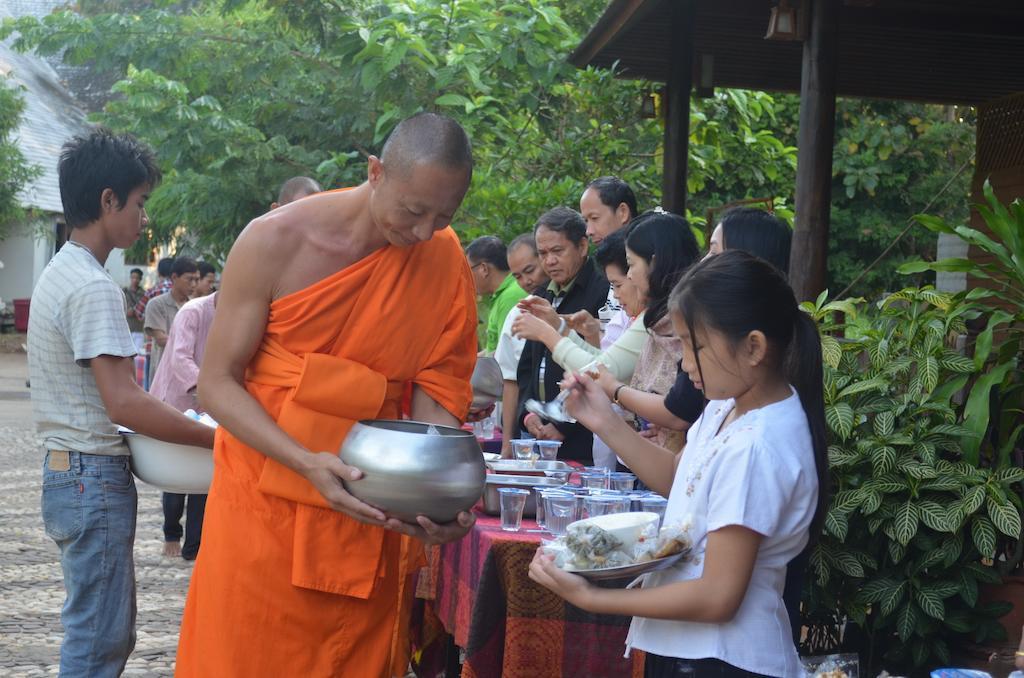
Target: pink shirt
{"x": 178, "y": 374}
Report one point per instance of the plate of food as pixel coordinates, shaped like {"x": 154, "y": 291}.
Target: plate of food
{"x": 619, "y": 545}
{"x": 629, "y": 571}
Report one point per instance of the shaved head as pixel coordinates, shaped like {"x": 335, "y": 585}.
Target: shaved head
{"x": 427, "y": 139}
{"x": 295, "y": 188}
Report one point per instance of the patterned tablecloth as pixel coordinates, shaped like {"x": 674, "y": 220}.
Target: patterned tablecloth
{"x": 508, "y": 625}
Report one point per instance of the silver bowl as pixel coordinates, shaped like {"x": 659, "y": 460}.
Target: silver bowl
{"x": 487, "y": 382}
{"x": 408, "y": 472}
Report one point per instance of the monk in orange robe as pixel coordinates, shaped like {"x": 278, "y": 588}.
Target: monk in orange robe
{"x": 330, "y": 307}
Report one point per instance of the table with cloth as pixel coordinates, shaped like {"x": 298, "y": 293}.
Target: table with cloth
{"x": 479, "y": 591}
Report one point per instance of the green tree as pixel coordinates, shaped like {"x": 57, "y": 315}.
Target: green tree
{"x": 237, "y": 96}
{"x": 15, "y": 171}
{"x": 891, "y": 160}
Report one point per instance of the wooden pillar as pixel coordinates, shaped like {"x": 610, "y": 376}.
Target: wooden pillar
{"x": 676, "y": 144}
{"x": 809, "y": 253}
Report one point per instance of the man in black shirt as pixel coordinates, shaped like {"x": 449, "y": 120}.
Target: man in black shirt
{"x": 576, "y": 285}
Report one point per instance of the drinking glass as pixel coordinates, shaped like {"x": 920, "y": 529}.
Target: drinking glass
{"x": 487, "y": 425}
{"x": 600, "y": 505}
{"x": 560, "y": 476}
{"x": 655, "y": 504}
{"x": 513, "y": 500}
{"x": 635, "y": 499}
{"x": 522, "y": 448}
{"x": 559, "y": 511}
{"x": 623, "y": 481}
{"x": 539, "y": 503}
{"x": 594, "y": 480}
{"x": 548, "y": 449}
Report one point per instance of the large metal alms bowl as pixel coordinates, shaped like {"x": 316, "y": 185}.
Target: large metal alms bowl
{"x": 182, "y": 469}
{"x": 487, "y": 382}
{"x": 408, "y": 472}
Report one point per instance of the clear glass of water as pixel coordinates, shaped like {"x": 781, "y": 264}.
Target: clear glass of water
{"x": 600, "y": 505}
{"x": 513, "y": 500}
{"x": 655, "y": 504}
{"x": 594, "y": 480}
{"x": 559, "y": 511}
{"x": 548, "y": 449}
{"x": 539, "y": 503}
{"x": 623, "y": 481}
{"x": 487, "y": 425}
{"x": 522, "y": 448}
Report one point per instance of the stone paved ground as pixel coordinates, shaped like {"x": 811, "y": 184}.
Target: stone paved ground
{"x": 31, "y": 592}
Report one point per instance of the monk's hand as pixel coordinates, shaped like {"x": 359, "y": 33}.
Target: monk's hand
{"x": 430, "y": 533}
{"x": 572, "y": 587}
{"x": 326, "y": 471}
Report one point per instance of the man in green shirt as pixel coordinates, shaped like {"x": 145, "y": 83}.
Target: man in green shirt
{"x": 489, "y": 262}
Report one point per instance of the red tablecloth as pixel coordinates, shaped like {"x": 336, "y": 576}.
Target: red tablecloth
{"x": 510, "y": 626}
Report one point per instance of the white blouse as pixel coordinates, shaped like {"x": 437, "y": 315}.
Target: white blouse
{"x": 758, "y": 472}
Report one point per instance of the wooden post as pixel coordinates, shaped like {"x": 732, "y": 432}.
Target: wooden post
{"x": 676, "y": 145}
{"x": 815, "y": 139}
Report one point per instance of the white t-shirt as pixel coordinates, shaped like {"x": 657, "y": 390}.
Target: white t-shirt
{"x": 759, "y": 472}
{"x": 510, "y": 347}
{"x": 77, "y": 315}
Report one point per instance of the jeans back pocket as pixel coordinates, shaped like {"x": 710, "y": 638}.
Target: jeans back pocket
{"x": 62, "y": 508}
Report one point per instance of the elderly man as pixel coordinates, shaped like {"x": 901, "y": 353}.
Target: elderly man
{"x": 329, "y": 308}
{"x": 576, "y": 285}
{"x": 525, "y": 267}
{"x": 488, "y": 260}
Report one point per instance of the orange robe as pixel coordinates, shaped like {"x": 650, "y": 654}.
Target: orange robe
{"x": 284, "y": 586}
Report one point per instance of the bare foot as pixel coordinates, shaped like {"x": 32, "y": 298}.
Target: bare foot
{"x": 172, "y": 549}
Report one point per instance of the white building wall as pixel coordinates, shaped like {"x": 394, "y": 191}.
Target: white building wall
{"x": 26, "y": 254}
{"x": 17, "y": 276}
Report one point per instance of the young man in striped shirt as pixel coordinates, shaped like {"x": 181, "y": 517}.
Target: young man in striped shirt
{"x": 83, "y": 385}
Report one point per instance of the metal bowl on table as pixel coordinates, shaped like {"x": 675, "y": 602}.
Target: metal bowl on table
{"x": 181, "y": 469}
{"x": 408, "y": 471}
{"x": 487, "y": 382}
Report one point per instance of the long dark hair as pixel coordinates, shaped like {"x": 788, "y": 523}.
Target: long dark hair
{"x": 760, "y": 233}
{"x": 666, "y": 240}
{"x": 736, "y": 293}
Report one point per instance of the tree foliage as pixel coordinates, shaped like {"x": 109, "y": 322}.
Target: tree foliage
{"x": 15, "y": 171}
{"x": 237, "y": 96}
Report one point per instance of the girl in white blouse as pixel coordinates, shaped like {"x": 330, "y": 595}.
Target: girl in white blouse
{"x": 753, "y": 474}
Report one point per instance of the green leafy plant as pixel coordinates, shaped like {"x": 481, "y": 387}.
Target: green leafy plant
{"x": 15, "y": 171}
{"x": 912, "y": 527}
{"x": 1001, "y": 297}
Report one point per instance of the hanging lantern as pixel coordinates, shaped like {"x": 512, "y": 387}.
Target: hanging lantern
{"x": 649, "y": 106}
{"x": 782, "y": 24}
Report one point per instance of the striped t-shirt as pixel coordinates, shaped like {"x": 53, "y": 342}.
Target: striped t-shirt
{"x": 77, "y": 314}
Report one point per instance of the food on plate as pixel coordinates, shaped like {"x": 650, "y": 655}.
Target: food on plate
{"x": 588, "y": 546}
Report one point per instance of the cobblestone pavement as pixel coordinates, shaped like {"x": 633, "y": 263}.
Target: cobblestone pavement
{"x": 30, "y": 576}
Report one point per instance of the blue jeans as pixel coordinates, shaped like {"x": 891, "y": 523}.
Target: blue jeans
{"x": 89, "y": 511}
